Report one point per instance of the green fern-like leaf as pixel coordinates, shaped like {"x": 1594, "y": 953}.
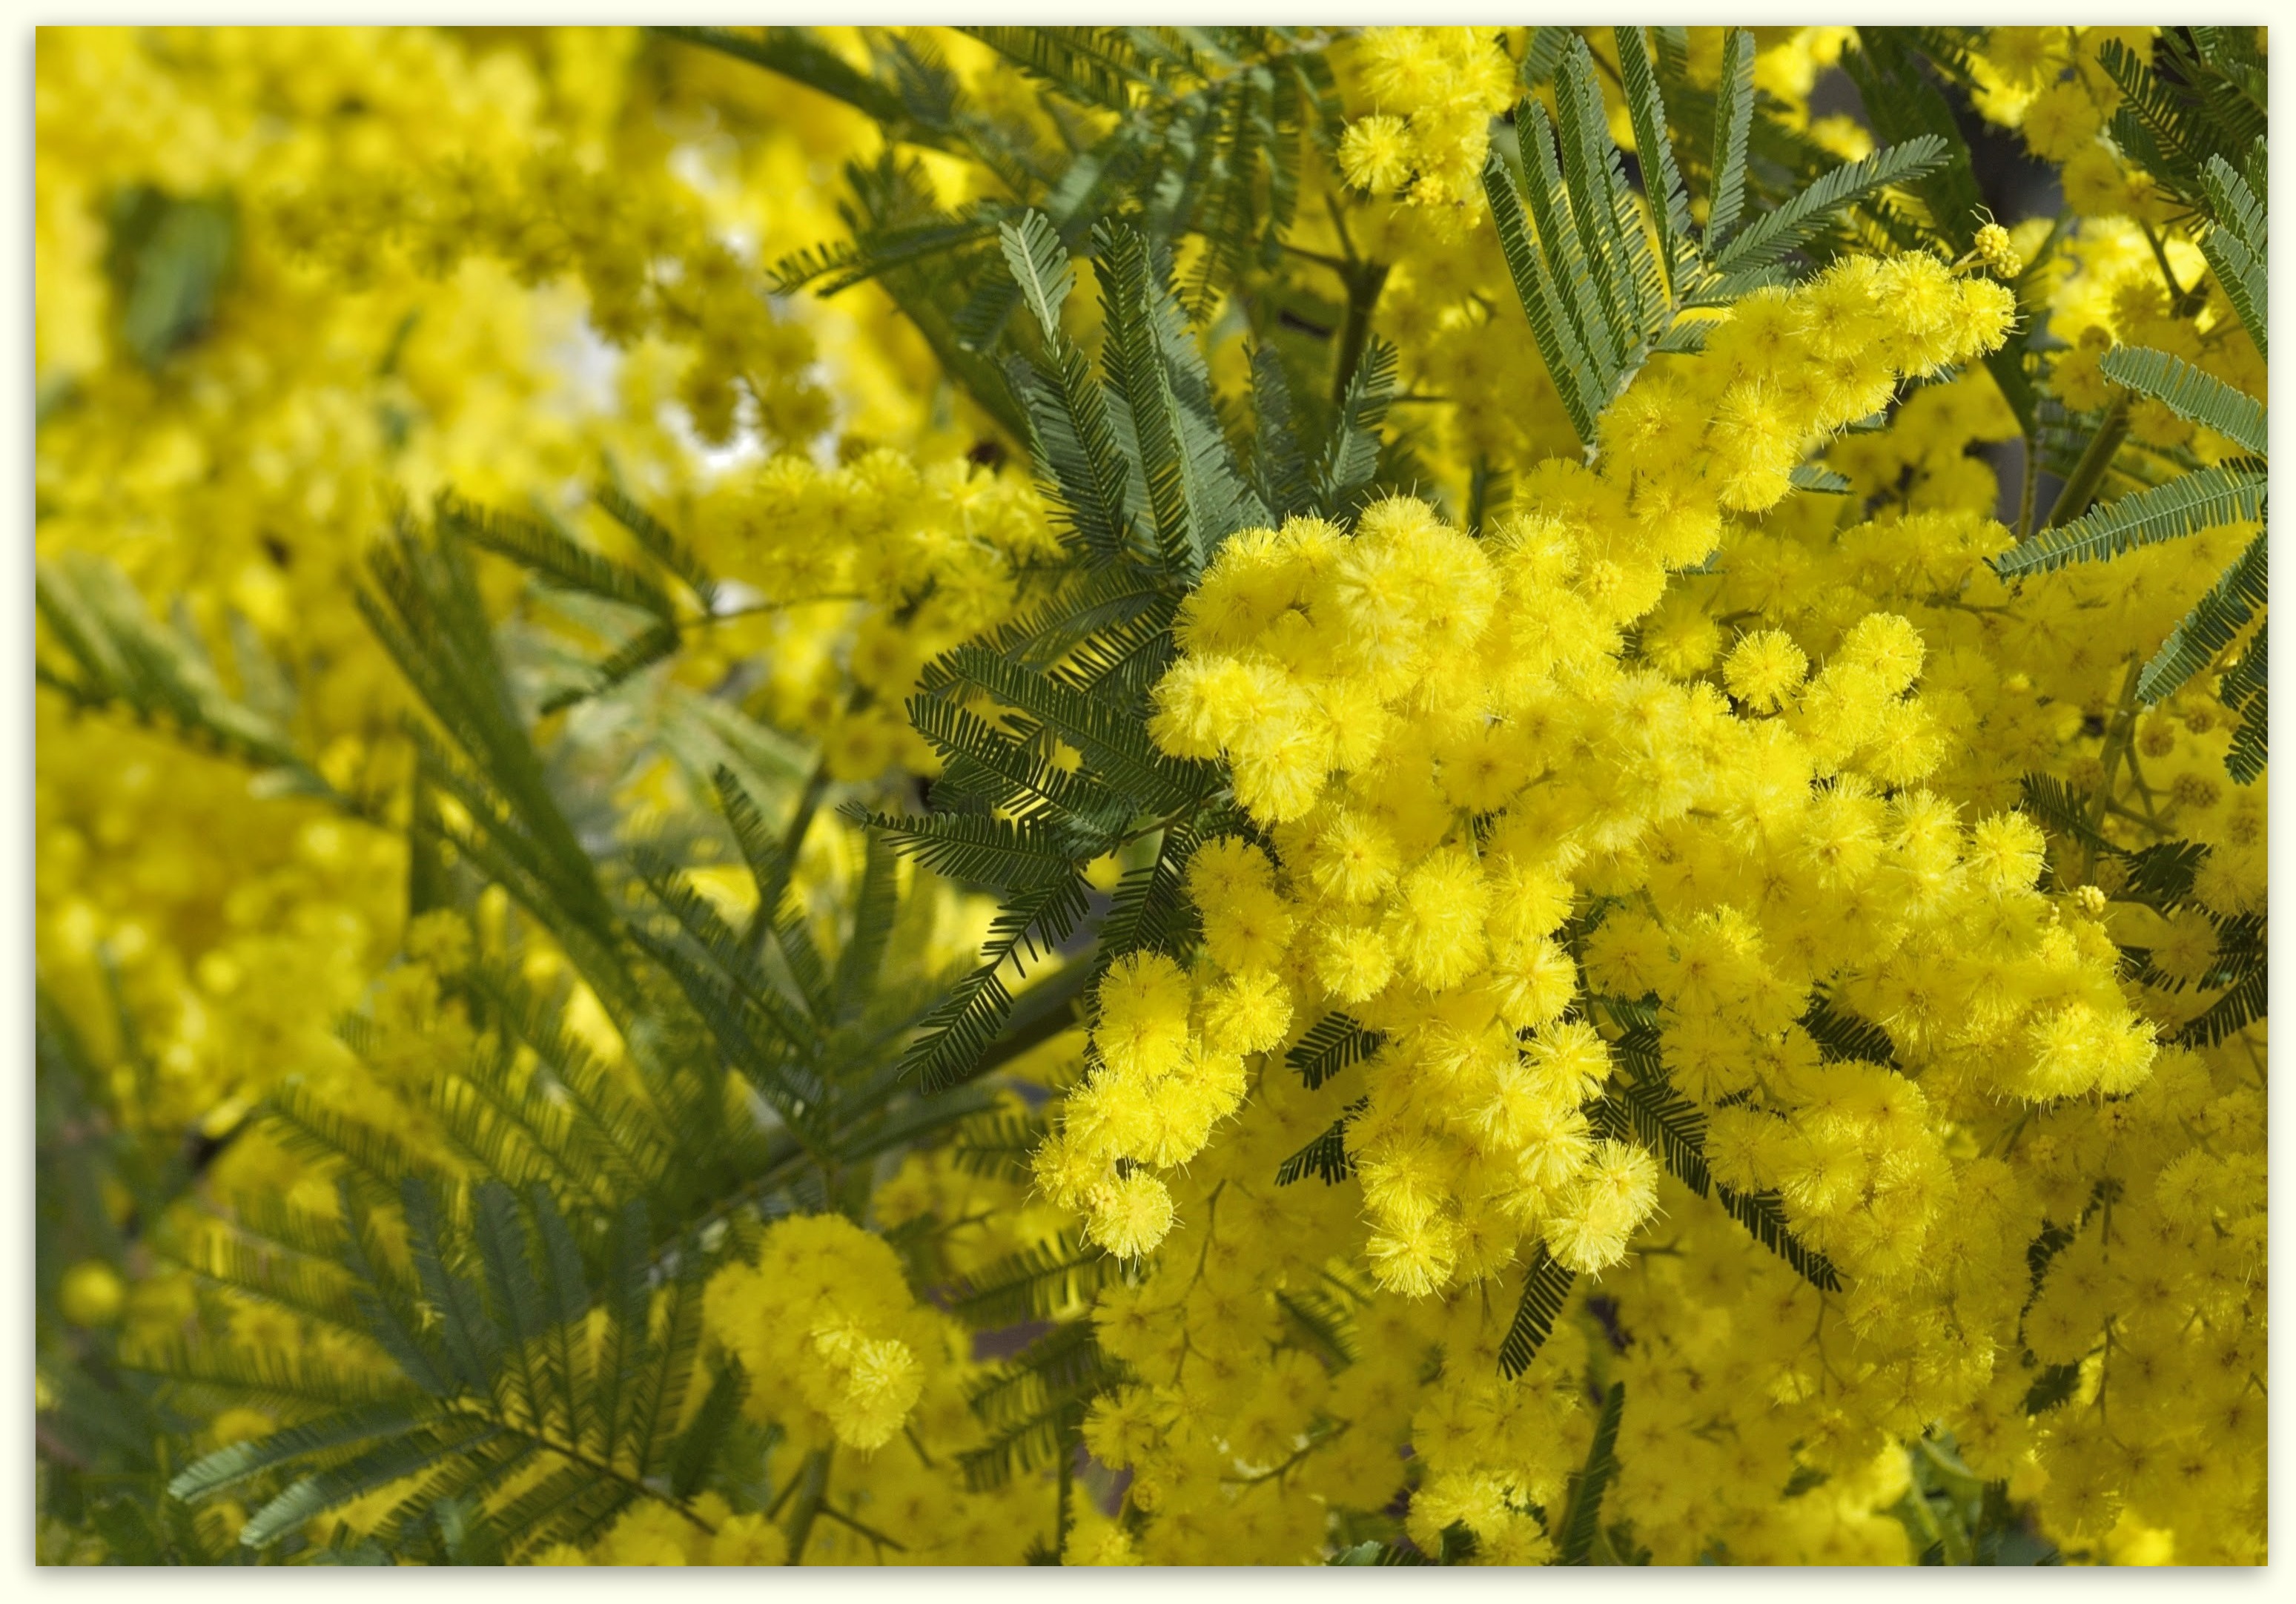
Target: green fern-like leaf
{"x": 2237, "y": 247}
{"x": 1583, "y": 1498}
{"x": 2197, "y": 101}
{"x": 282, "y": 1383}
{"x": 1564, "y": 239}
{"x": 996, "y": 1144}
{"x": 1139, "y": 377}
{"x": 1097, "y": 66}
{"x": 1669, "y": 200}
{"x": 2161, "y": 875}
{"x": 371, "y": 1158}
{"x": 1771, "y": 235}
{"x": 2061, "y": 808}
{"x": 1666, "y": 1122}
{"x": 1326, "y": 1321}
{"x": 1115, "y": 747}
{"x": 122, "y": 659}
{"x": 1673, "y": 1128}
{"x": 1040, "y": 267}
{"x": 1279, "y": 463}
{"x": 1553, "y": 327}
{"x": 655, "y": 644}
{"x": 832, "y": 269}
{"x": 1032, "y": 1284}
{"x": 1763, "y": 1215}
{"x": 507, "y": 1380}
{"x": 1352, "y": 456}
{"x": 796, "y": 53}
{"x": 1074, "y": 811}
{"x": 955, "y": 1037}
{"x": 2201, "y": 397}
{"x": 1608, "y": 227}
{"x": 661, "y": 542}
{"x": 1012, "y": 854}
{"x": 469, "y": 1333}
{"x": 2245, "y": 691}
{"x": 1332, "y": 1043}
{"x": 1061, "y": 1367}
{"x": 1823, "y": 481}
{"x": 1546, "y": 1287}
{"x": 2241, "y": 272}
{"x": 555, "y": 556}
{"x": 2211, "y": 626}
{"x": 228, "y": 1467}
{"x": 2226, "y": 493}
{"x": 1846, "y": 1037}
{"x": 1326, "y": 1156}
{"x": 2243, "y": 1003}
{"x": 1733, "y": 119}
{"x": 1150, "y": 912}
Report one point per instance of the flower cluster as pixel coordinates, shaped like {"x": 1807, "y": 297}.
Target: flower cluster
{"x": 1436, "y": 91}
{"x": 2052, "y": 86}
{"x": 864, "y": 573}
{"x": 1450, "y": 758}
{"x": 824, "y": 1325}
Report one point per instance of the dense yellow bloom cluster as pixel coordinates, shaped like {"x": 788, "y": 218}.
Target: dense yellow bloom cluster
{"x": 825, "y": 1326}
{"x": 1447, "y": 752}
{"x": 652, "y": 1534}
{"x": 650, "y": 271}
{"x": 205, "y": 942}
{"x": 1422, "y": 887}
{"x": 866, "y": 573}
{"x": 280, "y": 436}
{"x": 232, "y": 484}
{"x": 2051, "y": 85}
{"x": 1421, "y": 100}
{"x": 1436, "y": 90}
{"x": 198, "y": 955}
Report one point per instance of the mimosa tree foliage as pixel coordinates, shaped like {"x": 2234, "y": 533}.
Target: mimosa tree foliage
{"x": 1140, "y": 794}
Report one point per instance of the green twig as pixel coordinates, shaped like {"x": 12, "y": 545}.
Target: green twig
{"x": 1364, "y": 280}
{"x": 2117, "y": 737}
{"x": 2182, "y": 302}
{"x": 813, "y": 1486}
{"x": 2025, "y": 496}
{"x": 870, "y": 1531}
{"x": 2087, "y": 477}
{"x": 1040, "y": 1012}
{"x": 1062, "y": 1504}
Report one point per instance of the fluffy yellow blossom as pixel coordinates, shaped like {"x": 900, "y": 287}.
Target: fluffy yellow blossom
{"x": 827, "y": 1331}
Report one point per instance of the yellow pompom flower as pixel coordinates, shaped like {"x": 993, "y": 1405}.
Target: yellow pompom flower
{"x": 748, "y": 1540}
{"x": 1375, "y": 154}
{"x": 1129, "y": 1215}
{"x": 1436, "y": 922}
{"x": 92, "y": 1294}
{"x": 1763, "y": 668}
{"x": 2005, "y": 851}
